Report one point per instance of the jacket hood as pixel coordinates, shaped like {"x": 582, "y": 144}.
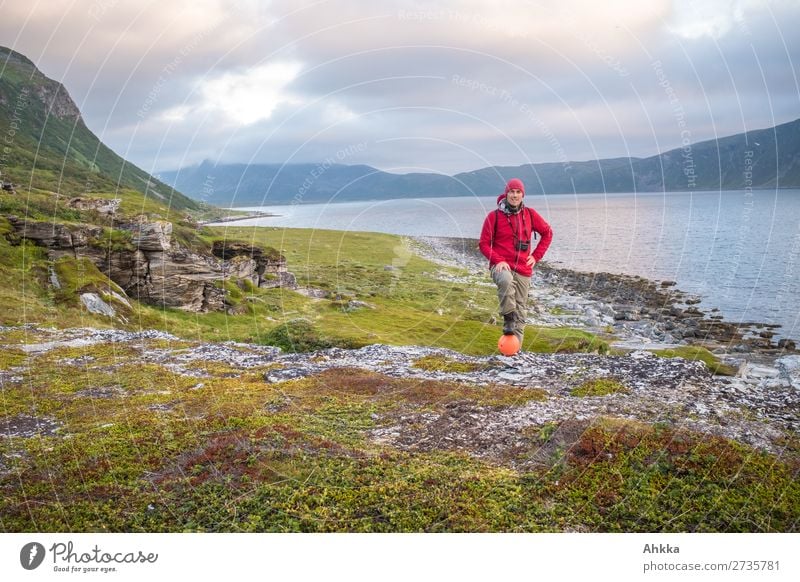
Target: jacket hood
{"x": 504, "y": 207}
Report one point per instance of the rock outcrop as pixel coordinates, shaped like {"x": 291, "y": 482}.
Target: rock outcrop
{"x": 150, "y": 267}
{"x": 95, "y": 304}
{"x": 245, "y": 261}
{"x": 102, "y": 206}
{"x": 153, "y": 236}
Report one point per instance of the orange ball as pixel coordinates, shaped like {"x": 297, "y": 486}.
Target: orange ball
{"x": 508, "y": 344}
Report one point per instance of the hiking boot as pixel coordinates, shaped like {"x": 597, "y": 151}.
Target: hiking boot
{"x": 508, "y": 323}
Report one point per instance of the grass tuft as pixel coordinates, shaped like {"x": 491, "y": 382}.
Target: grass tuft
{"x": 599, "y": 387}
{"x": 698, "y": 353}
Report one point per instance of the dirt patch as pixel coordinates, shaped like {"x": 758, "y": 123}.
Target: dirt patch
{"x": 113, "y": 391}
{"x": 24, "y": 426}
{"x": 461, "y": 426}
{"x": 482, "y": 433}
{"x": 553, "y": 441}
{"x": 12, "y": 376}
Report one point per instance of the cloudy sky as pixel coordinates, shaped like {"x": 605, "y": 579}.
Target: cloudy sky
{"x": 444, "y": 86}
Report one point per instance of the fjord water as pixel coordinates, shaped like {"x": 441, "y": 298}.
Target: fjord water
{"x": 738, "y": 250}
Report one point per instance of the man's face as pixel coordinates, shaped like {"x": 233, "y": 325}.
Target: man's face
{"x": 514, "y": 196}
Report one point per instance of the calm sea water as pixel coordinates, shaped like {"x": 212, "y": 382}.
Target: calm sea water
{"x": 740, "y": 251}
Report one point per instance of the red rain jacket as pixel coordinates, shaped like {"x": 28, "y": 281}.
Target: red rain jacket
{"x": 500, "y": 230}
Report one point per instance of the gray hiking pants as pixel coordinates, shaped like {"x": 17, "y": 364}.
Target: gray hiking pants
{"x": 512, "y": 292}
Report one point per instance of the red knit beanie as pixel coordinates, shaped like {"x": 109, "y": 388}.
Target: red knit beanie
{"x": 515, "y": 184}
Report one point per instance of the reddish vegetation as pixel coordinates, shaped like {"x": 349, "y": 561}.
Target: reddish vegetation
{"x": 239, "y": 456}
{"x": 358, "y": 382}
{"x": 686, "y": 451}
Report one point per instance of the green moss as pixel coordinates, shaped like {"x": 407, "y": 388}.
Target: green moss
{"x": 233, "y": 293}
{"x": 437, "y": 363}
{"x": 696, "y": 353}
{"x": 546, "y": 431}
{"x": 113, "y": 240}
{"x": 626, "y": 476}
{"x": 5, "y": 226}
{"x": 395, "y": 393}
{"x": 78, "y": 276}
{"x": 11, "y": 357}
{"x": 562, "y": 340}
{"x": 100, "y": 353}
{"x": 23, "y": 291}
{"x": 248, "y": 286}
{"x": 300, "y": 335}
{"x": 599, "y": 387}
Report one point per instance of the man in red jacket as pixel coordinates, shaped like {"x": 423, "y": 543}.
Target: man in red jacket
{"x": 506, "y": 240}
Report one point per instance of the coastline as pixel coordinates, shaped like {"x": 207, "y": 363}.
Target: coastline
{"x": 237, "y": 218}
{"x": 633, "y": 312}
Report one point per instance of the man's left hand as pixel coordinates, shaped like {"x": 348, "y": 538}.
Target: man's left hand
{"x": 531, "y": 261}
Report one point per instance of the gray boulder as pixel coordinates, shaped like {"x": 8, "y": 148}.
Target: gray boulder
{"x": 94, "y": 304}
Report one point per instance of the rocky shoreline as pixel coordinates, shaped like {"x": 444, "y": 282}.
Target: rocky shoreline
{"x": 634, "y": 314}
{"x": 637, "y": 312}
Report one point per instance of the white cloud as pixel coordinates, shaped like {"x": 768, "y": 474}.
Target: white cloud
{"x": 252, "y": 95}
{"x": 338, "y": 113}
{"x": 179, "y": 113}
{"x": 695, "y": 19}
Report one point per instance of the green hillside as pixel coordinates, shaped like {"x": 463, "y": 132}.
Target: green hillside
{"x": 49, "y": 153}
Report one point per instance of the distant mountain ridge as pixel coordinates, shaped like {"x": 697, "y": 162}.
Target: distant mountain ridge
{"x": 764, "y": 158}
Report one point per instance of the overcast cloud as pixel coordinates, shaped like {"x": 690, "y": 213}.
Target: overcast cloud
{"x": 443, "y": 86}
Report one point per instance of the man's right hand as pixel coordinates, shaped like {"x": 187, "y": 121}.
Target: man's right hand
{"x": 501, "y": 266}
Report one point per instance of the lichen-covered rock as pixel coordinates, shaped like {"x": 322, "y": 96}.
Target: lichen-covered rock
{"x": 268, "y": 265}
{"x": 789, "y": 368}
{"x": 183, "y": 280}
{"x": 52, "y": 235}
{"x": 282, "y": 279}
{"x": 102, "y": 206}
{"x": 94, "y": 304}
{"x": 241, "y": 267}
{"x": 26, "y": 426}
{"x": 150, "y": 236}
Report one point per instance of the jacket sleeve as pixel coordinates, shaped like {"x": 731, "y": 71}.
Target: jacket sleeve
{"x": 485, "y": 243}
{"x": 545, "y": 232}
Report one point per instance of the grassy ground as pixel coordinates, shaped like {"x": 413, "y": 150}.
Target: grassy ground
{"x": 140, "y": 448}
{"x": 406, "y": 302}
